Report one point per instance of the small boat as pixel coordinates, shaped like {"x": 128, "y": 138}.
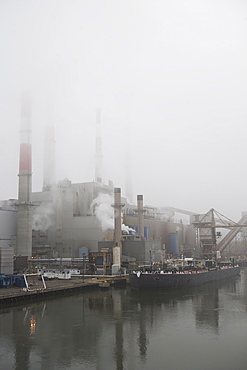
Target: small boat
{"x": 158, "y": 279}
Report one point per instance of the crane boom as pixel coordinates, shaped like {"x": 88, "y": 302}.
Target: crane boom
{"x": 231, "y": 235}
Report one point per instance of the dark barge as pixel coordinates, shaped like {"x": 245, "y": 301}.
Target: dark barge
{"x": 165, "y": 280}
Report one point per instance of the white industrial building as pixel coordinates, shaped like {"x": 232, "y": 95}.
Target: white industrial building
{"x": 8, "y": 229}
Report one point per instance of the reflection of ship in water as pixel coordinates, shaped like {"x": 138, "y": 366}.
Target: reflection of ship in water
{"x": 119, "y": 325}
{"x": 206, "y": 308}
{"x": 207, "y": 303}
{"x": 149, "y": 312}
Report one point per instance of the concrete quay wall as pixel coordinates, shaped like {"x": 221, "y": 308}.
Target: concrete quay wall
{"x": 55, "y": 288}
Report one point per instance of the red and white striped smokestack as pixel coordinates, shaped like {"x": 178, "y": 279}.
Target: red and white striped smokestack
{"x": 98, "y": 148}
{"x": 24, "y": 216}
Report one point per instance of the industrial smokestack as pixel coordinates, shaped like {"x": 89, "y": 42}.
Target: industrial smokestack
{"x": 98, "y": 148}
{"x": 128, "y": 176}
{"x": 24, "y": 205}
{"x": 140, "y": 212}
{"x": 49, "y": 158}
{"x": 117, "y": 251}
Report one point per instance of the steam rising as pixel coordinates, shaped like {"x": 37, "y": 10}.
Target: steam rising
{"x": 43, "y": 217}
{"x": 128, "y": 229}
{"x": 102, "y": 207}
{"x": 104, "y": 211}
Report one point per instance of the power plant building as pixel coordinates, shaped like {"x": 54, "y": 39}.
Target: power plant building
{"x": 65, "y": 219}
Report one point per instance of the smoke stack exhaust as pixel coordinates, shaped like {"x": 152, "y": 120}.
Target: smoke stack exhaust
{"x": 24, "y": 205}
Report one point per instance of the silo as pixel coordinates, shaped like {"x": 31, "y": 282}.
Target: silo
{"x": 173, "y": 244}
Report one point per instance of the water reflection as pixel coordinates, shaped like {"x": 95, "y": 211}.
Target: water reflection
{"x": 115, "y": 329}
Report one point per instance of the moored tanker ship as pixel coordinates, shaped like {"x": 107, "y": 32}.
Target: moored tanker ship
{"x": 176, "y": 279}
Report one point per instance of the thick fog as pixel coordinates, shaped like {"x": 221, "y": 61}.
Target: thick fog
{"x": 170, "y": 79}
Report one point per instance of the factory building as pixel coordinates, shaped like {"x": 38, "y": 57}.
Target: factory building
{"x": 68, "y": 218}
{"x": 177, "y": 236}
{"x": 65, "y": 219}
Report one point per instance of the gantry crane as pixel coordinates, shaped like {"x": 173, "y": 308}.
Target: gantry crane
{"x": 207, "y": 225}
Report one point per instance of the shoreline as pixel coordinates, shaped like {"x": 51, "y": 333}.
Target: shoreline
{"x": 16, "y": 295}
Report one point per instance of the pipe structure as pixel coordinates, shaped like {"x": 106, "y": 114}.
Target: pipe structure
{"x": 140, "y": 211}
{"x": 231, "y": 235}
{"x": 49, "y": 158}
{"x": 24, "y": 204}
{"x": 98, "y": 148}
{"x": 117, "y": 227}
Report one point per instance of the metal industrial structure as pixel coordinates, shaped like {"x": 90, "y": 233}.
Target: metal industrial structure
{"x": 207, "y": 224}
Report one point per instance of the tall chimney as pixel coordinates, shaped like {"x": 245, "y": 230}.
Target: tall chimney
{"x": 128, "y": 176}
{"x": 24, "y": 205}
{"x": 98, "y": 148}
{"x": 117, "y": 251}
{"x": 140, "y": 212}
{"x": 49, "y": 158}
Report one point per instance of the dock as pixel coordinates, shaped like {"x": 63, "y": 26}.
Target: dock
{"x": 56, "y": 288}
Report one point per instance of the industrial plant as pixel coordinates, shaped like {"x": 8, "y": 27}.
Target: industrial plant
{"x": 91, "y": 221}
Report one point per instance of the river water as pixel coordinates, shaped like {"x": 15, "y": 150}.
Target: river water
{"x": 197, "y": 328}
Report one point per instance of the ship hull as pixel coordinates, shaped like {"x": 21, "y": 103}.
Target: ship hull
{"x": 177, "y": 280}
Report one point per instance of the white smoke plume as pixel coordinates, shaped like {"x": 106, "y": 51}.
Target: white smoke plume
{"x": 127, "y": 229}
{"x": 102, "y": 207}
{"x": 43, "y": 217}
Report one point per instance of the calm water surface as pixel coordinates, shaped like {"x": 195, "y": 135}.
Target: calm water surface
{"x": 200, "y": 328}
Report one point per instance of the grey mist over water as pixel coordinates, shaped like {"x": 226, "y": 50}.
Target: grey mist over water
{"x": 200, "y": 328}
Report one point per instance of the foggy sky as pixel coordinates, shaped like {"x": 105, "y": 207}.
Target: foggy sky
{"x": 170, "y": 79}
